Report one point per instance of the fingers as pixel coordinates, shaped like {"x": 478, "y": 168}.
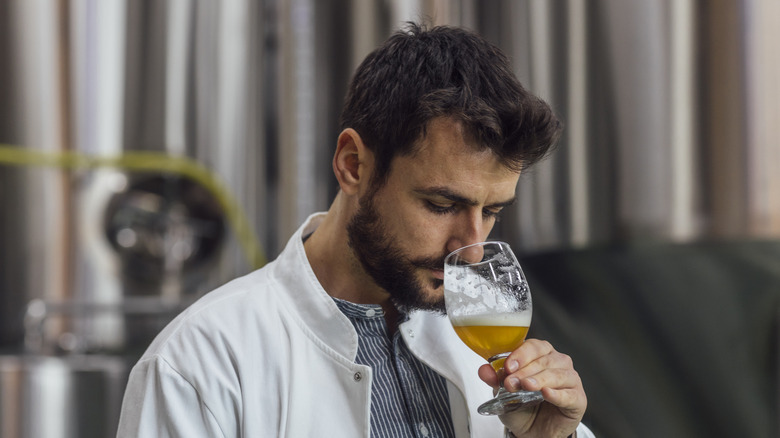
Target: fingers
{"x": 532, "y": 362}
{"x": 537, "y": 366}
{"x": 572, "y": 400}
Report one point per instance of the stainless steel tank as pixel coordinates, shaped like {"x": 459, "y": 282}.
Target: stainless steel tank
{"x": 133, "y": 161}
{"x": 132, "y": 180}
{"x": 60, "y": 397}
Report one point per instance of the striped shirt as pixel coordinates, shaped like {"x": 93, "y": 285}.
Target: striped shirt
{"x": 408, "y": 399}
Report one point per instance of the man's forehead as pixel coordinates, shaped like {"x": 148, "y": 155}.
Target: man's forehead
{"x": 451, "y": 127}
{"x": 447, "y": 136}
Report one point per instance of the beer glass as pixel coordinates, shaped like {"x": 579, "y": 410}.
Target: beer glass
{"x": 489, "y": 304}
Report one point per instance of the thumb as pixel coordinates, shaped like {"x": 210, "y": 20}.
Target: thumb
{"x": 488, "y": 375}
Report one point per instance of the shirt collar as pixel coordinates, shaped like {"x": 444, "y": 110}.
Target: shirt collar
{"x": 362, "y": 313}
{"x": 306, "y": 296}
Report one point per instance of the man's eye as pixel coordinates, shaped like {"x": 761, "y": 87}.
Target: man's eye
{"x": 491, "y": 214}
{"x": 440, "y": 209}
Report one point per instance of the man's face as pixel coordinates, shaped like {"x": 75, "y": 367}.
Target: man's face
{"x": 443, "y": 197}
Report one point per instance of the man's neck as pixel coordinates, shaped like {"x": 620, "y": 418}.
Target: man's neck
{"x": 338, "y": 270}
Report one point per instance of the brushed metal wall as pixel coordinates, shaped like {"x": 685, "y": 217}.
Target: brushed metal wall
{"x": 123, "y": 100}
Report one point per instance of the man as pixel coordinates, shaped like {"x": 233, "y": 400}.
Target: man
{"x": 343, "y": 335}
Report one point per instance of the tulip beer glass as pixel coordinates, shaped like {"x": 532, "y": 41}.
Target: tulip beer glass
{"x": 489, "y": 305}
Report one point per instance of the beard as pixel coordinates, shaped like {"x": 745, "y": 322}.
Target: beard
{"x": 388, "y": 265}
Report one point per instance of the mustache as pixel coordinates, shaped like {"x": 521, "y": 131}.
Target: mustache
{"x": 436, "y": 262}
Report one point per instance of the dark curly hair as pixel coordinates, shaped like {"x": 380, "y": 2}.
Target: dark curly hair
{"x": 419, "y": 74}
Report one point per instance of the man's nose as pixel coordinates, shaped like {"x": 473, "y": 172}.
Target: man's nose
{"x": 471, "y": 254}
{"x": 470, "y": 230}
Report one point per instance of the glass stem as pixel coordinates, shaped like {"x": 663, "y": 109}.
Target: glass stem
{"x": 497, "y": 362}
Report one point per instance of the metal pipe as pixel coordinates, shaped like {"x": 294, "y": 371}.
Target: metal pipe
{"x": 38, "y": 312}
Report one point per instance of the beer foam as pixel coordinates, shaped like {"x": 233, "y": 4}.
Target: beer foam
{"x": 495, "y": 319}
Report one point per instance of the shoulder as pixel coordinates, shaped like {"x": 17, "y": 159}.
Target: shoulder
{"x": 210, "y": 346}
{"x": 220, "y": 320}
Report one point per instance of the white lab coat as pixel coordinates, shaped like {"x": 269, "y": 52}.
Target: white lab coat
{"x": 270, "y": 355}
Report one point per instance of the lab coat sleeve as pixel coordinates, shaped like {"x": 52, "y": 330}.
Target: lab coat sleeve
{"x": 584, "y": 432}
{"x": 160, "y": 402}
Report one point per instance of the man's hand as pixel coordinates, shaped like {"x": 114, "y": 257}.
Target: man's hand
{"x": 537, "y": 366}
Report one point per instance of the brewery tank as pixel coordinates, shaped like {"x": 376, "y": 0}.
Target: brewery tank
{"x": 133, "y": 179}
{"x": 133, "y": 159}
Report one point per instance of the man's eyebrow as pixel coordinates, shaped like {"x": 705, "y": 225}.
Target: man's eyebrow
{"x": 454, "y": 197}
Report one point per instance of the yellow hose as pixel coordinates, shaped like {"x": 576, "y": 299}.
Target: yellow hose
{"x": 149, "y": 162}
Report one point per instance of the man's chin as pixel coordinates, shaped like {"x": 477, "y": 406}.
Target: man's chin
{"x": 438, "y": 307}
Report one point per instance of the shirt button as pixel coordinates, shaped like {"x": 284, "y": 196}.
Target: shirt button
{"x": 424, "y": 430}
{"x": 358, "y": 377}
{"x": 370, "y": 313}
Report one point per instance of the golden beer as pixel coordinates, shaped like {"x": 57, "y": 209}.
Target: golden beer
{"x": 491, "y": 335}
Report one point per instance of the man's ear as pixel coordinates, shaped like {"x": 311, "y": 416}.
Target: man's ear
{"x": 352, "y": 161}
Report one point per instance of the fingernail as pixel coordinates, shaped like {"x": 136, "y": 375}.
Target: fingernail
{"x": 512, "y": 366}
{"x": 531, "y": 381}
{"x": 514, "y": 384}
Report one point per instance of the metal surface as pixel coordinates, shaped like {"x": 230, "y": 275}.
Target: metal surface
{"x": 92, "y": 80}
{"x": 671, "y": 131}
{"x": 53, "y": 397}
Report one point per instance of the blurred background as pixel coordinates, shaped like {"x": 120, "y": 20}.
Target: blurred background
{"x": 151, "y": 150}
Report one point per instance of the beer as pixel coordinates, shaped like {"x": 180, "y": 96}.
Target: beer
{"x": 491, "y": 335}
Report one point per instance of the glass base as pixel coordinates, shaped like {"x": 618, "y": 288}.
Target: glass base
{"x": 506, "y": 401}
